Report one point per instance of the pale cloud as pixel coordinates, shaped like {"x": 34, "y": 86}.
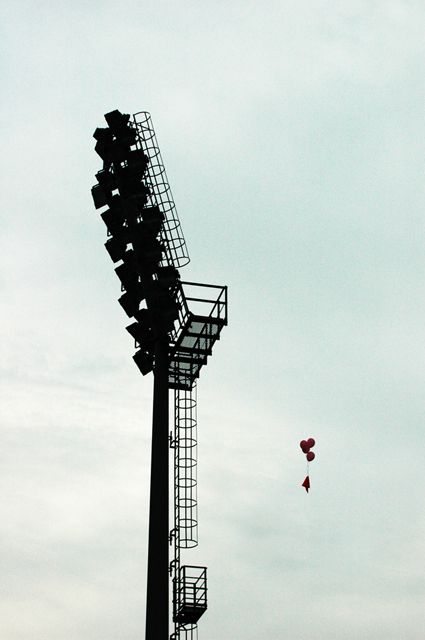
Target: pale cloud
{"x": 292, "y": 138}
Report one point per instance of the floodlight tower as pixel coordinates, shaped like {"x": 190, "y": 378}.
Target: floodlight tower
{"x": 175, "y": 327}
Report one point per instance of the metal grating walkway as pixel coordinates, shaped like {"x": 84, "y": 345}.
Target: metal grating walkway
{"x": 200, "y": 322}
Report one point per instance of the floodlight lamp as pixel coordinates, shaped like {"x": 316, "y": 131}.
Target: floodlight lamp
{"x": 120, "y": 211}
{"x": 103, "y": 135}
{"x": 116, "y": 120}
{"x": 144, "y": 318}
{"x": 167, "y": 276}
{"x": 100, "y": 196}
{"x": 114, "y": 222}
{"x": 138, "y": 160}
{"x": 130, "y": 258}
{"x": 104, "y": 143}
{"x": 119, "y": 125}
{"x": 118, "y": 204}
{"x": 153, "y": 218}
{"x": 127, "y": 275}
{"x": 116, "y": 248}
{"x": 106, "y": 179}
{"x": 129, "y": 177}
{"x": 139, "y": 196}
{"x": 159, "y": 323}
{"x": 144, "y": 361}
{"x": 144, "y": 337}
{"x": 148, "y": 253}
{"x": 119, "y": 150}
{"x": 126, "y": 136}
{"x": 114, "y": 151}
{"x": 130, "y": 185}
{"x": 103, "y": 150}
{"x": 131, "y": 210}
{"x": 131, "y": 299}
{"x": 140, "y": 235}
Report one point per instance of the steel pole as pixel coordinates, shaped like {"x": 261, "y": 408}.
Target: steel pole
{"x": 157, "y": 590}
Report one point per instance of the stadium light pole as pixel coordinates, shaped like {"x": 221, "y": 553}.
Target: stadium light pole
{"x": 172, "y": 340}
{"x": 157, "y": 599}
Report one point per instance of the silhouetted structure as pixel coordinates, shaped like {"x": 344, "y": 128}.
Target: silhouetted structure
{"x": 175, "y": 326}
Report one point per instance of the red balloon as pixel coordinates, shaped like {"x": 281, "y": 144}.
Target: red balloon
{"x": 311, "y": 442}
{"x": 304, "y": 446}
{"x": 310, "y": 456}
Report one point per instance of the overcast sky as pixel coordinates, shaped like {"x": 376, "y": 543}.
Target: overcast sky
{"x": 293, "y": 138}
